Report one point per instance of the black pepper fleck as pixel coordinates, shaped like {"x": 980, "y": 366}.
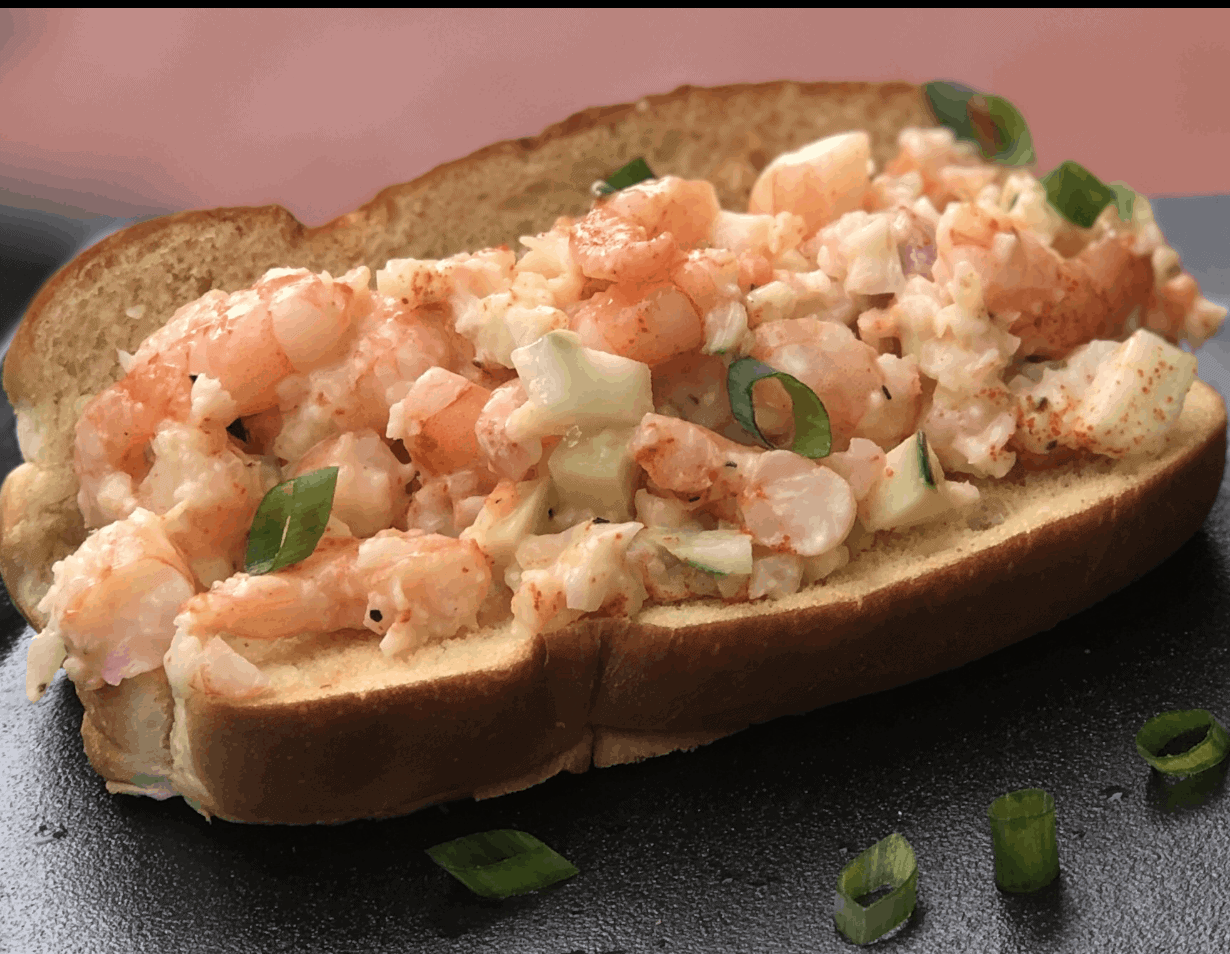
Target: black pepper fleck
{"x": 884, "y": 388}
{"x": 1052, "y": 445}
{"x": 376, "y": 616}
{"x": 601, "y": 520}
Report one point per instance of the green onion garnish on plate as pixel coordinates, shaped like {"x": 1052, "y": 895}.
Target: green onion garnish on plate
{"x": 889, "y": 862}
{"x": 636, "y": 171}
{"x": 502, "y": 863}
{"x": 1166, "y": 727}
{"x": 992, "y": 122}
{"x": 1023, "y": 840}
{"x": 812, "y": 435}
{"x": 290, "y": 521}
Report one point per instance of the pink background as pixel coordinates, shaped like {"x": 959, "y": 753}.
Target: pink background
{"x": 127, "y": 112}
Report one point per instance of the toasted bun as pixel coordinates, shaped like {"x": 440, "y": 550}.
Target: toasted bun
{"x": 345, "y": 732}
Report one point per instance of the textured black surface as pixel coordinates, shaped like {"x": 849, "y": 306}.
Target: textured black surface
{"x": 734, "y": 847}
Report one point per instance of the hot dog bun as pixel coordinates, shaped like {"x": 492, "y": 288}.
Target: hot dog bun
{"x": 347, "y": 733}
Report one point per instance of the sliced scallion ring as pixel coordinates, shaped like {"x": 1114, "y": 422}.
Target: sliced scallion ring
{"x": 889, "y": 862}
{"x": 1168, "y": 726}
{"x": 636, "y": 171}
{"x": 1077, "y": 193}
{"x": 812, "y": 435}
{"x": 502, "y": 863}
{"x": 992, "y": 122}
{"x": 1023, "y": 840}
{"x": 924, "y": 461}
{"x": 290, "y": 521}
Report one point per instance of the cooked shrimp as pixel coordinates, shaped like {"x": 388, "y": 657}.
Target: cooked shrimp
{"x": 111, "y": 606}
{"x": 650, "y": 324}
{"x": 1058, "y": 303}
{"x": 820, "y": 182}
{"x": 412, "y": 588}
{"x": 829, "y": 359}
{"x": 951, "y": 169}
{"x": 558, "y": 578}
{"x": 636, "y": 235}
{"x": 504, "y": 456}
{"x": 790, "y": 503}
{"x": 689, "y": 461}
{"x": 436, "y": 421}
{"x": 370, "y": 494}
{"x": 786, "y": 501}
{"x": 450, "y": 503}
{"x": 394, "y": 346}
{"x": 290, "y": 321}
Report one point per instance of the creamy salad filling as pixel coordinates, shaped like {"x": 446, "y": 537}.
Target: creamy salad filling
{"x": 548, "y": 434}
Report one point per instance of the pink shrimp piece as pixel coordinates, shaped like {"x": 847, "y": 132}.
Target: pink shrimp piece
{"x": 115, "y": 429}
{"x": 249, "y": 342}
{"x": 111, "y": 605}
{"x": 449, "y": 504}
{"x": 689, "y": 461}
{"x": 436, "y": 421}
{"x": 646, "y": 323}
{"x": 785, "y": 501}
{"x": 951, "y": 171}
{"x": 793, "y": 504}
{"x": 638, "y": 233}
{"x": 504, "y": 456}
{"x": 410, "y": 587}
{"x": 820, "y": 182}
{"x": 829, "y": 359}
{"x": 1060, "y": 302}
{"x": 611, "y": 248}
{"x": 370, "y": 494}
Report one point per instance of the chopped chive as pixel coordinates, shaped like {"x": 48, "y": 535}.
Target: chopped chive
{"x": 636, "y": 171}
{"x": 888, "y": 862}
{"x": 992, "y": 122}
{"x": 812, "y": 435}
{"x": 1077, "y": 193}
{"x": 1023, "y": 840}
{"x": 1167, "y": 726}
{"x": 290, "y": 521}
{"x": 502, "y": 863}
{"x": 924, "y": 461}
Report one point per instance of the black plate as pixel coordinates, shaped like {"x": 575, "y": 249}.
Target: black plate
{"x": 734, "y": 847}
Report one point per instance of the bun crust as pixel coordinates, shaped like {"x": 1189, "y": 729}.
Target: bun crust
{"x": 347, "y": 733}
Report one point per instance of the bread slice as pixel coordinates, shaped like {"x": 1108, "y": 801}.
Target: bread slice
{"x": 347, "y": 733}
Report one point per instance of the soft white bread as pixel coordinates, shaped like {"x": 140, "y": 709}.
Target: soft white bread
{"x": 347, "y": 733}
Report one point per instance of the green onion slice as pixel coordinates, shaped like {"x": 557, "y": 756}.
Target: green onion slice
{"x": 636, "y": 171}
{"x": 924, "y": 461}
{"x": 812, "y": 436}
{"x": 1078, "y": 194}
{"x": 890, "y": 862}
{"x": 1023, "y": 839}
{"x": 991, "y": 121}
{"x": 1125, "y": 199}
{"x": 290, "y": 521}
{"x": 502, "y": 863}
{"x": 1168, "y": 726}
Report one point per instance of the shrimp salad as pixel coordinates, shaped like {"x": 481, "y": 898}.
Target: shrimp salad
{"x": 547, "y": 434}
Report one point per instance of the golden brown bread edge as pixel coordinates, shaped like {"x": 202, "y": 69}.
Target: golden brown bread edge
{"x": 340, "y": 742}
